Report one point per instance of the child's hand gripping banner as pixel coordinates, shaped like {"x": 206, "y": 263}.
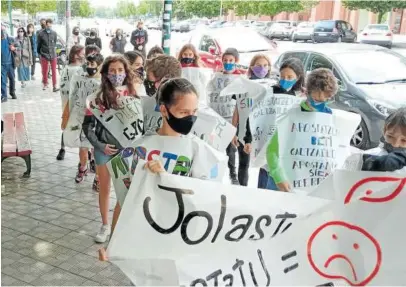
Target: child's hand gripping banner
{"x": 126, "y": 123}
{"x": 220, "y": 102}
{"x": 81, "y": 88}
{"x": 181, "y": 231}
{"x": 200, "y": 78}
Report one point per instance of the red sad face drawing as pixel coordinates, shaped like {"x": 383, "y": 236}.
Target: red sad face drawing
{"x": 359, "y": 257}
{"x": 388, "y": 188}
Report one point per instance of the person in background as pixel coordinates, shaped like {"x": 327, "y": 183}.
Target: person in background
{"x": 32, "y": 35}
{"x": 188, "y": 57}
{"x": 391, "y": 154}
{"x": 321, "y": 86}
{"x": 75, "y": 39}
{"x": 23, "y": 56}
{"x": 46, "y": 48}
{"x": 136, "y": 60}
{"x": 117, "y": 44}
{"x": 93, "y": 39}
{"x": 139, "y": 38}
{"x": 7, "y": 65}
{"x": 115, "y": 72}
{"x": 43, "y": 23}
{"x": 154, "y": 51}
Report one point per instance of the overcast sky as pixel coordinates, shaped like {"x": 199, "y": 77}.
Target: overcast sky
{"x": 108, "y": 3}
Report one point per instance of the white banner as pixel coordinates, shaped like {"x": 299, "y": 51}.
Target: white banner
{"x": 312, "y": 145}
{"x": 81, "y": 88}
{"x": 180, "y": 231}
{"x": 66, "y": 76}
{"x": 221, "y": 103}
{"x": 200, "y": 78}
{"x": 126, "y": 123}
{"x": 186, "y": 156}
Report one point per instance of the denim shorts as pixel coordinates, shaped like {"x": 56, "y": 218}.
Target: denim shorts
{"x": 101, "y": 158}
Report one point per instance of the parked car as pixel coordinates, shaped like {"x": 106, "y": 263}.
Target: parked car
{"x": 377, "y": 34}
{"x": 267, "y": 30}
{"x": 371, "y": 82}
{"x": 243, "y": 23}
{"x": 211, "y": 43}
{"x": 303, "y": 32}
{"x": 176, "y": 26}
{"x": 279, "y": 31}
{"x": 216, "y": 24}
{"x": 333, "y": 31}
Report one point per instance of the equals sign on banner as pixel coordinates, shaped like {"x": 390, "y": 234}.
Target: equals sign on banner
{"x": 288, "y": 256}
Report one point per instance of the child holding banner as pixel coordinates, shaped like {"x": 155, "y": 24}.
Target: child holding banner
{"x": 112, "y": 108}
{"x": 189, "y": 58}
{"x": 76, "y": 60}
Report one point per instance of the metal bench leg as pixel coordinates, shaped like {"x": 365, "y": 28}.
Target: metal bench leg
{"x": 27, "y": 159}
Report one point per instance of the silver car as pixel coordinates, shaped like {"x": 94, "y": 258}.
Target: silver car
{"x": 303, "y": 32}
{"x": 372, "y": 82}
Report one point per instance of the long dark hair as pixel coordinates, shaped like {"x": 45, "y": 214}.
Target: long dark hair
{"x": 22, "y": 28}
{"x": 107, "y": 95}
{"x": 171, "y": 89}
{"x": 73, "y": 52}
{"x": 297, "y": 66}
{"x": 33, "y": 28}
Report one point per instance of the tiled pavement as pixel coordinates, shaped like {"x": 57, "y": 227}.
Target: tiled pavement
{"x": 48, "y": 221}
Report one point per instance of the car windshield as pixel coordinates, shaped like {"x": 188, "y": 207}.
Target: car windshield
{"x": 251, "y": 42}
{"x": 372, "y": 66}
{"x": 325, "y": 24}
{"x": 378, "y": 27}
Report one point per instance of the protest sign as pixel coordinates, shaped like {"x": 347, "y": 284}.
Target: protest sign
{"x": 126, "y": 123}
{"x": 81, "y": 88}
{"x": 66, "y": 76}
{"x": 182, "y": 231}
{"x": 199, "y": 77}
{"x": 186, "y": 156}
{"x": 221, "y": 103}
{"x": 312, "y": 145}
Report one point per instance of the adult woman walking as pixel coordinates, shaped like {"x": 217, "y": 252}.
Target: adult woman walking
{"x": 23, "y": 56}
{"x": 33, "y": 40}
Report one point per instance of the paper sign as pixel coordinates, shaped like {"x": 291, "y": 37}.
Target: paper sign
{"x": 126, "y": 123}
{"x": 213, "y": 234}
{"x": 81, "y": 87}
{"x": 67, "y": 74}
{"x": 312, "y": 145}
{"x": 200, "y": 78}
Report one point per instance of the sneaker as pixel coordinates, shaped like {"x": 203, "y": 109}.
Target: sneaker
{"x": 3, "y": 100}
{"x": 92, "y": 166}
{"x": 61, "y": 154}
{"x": 13, "y": 96}
{"x": 32, "y": 78}
{"x": 80, "y": 175}
{"x": 44, "y": 87}
{"x": 234, "y": 180}
{"x": 103, "y": 234}
{"x": 95, "y": 186}
{"x": 23, "y": 85}
{"x": 55, "y": 89}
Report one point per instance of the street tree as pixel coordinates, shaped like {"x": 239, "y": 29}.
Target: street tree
{"x": 378, "y": 7}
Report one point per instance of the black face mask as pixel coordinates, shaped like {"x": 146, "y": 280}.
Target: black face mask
{"x": 150, "y": 87}
{"x": 181, "y": 125}
{"x": 140, "y": 71}
{"x": 91, "y": 71}
{"x": 76, "y": 33}
{"x": 187, "y": 61}
{"x": 390, "y": 148}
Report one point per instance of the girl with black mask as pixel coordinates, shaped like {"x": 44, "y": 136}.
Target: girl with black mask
{"x": 136, "y": 62}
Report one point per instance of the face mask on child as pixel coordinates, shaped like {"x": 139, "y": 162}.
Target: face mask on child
{"x": 228, "y": 67}
{"x": 116, "y": 79}
{"x": 187, "y": 61}
{"x": 287, "y": 84}
{"x": 91, "y": 71}
{"x": 390, "y": 148}
{"x": 181, "y": 125}
{"x": 259, "y": 71}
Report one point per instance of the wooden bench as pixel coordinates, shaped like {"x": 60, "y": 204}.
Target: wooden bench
{"x": 15, "y": 140}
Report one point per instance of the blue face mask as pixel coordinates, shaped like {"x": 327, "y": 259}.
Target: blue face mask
{"x": 286, "y": 84}
{"x": 229, "y": 67}
{"x": 48, "y": 30}
{"x": 318, "y": 106}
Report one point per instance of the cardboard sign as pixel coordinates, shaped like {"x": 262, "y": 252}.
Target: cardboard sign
{"x": 66, "y": 76}
{"x": 312, "y": 145}
{"x": 81, "y": 88}
{"x": 220, "y": 102}
{"x": 126, "y": 123}
{"x": 181, "y": 231}
{"x": 185, "y": 156}
{"x": 200, "y": 78}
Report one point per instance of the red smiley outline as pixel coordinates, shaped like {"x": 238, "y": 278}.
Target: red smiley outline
{"x": 351, "y": 227}
{"x": 391, "y": 196}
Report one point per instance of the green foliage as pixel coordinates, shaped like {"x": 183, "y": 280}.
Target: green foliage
{"x": 379, "y": 7}
{"x": 126, "y": 9}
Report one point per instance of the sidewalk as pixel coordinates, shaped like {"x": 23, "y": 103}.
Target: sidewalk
{"x": 48, "y": 221}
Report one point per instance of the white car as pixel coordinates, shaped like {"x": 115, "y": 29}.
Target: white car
{"x": 304, "y": 32}
{"x": 377, "y": 34}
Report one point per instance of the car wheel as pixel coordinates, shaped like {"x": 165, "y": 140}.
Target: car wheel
{"x": 360, "y": 139}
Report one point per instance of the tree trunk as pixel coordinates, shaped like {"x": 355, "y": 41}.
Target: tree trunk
{"x": 380, "y": 16}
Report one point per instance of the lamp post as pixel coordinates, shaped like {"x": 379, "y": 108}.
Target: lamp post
{"x": 166, "y": 26}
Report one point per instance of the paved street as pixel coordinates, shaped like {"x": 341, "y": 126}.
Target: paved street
{"x": 48, "y": 221}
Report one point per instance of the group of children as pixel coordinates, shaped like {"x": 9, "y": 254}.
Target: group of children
{"x": 177, "y": 102}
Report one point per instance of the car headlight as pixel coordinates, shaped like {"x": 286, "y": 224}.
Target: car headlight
{"x": 383, "y": 109}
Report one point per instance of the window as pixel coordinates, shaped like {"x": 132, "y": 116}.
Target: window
{"x": 344, "y": 26}
{"x": 206, "y": 43}
{"x": 318, "y": 61}
{"x": 349, "y": 27}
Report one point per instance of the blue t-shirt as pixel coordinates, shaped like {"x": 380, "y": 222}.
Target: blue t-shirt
{"x": 5, "y": 52}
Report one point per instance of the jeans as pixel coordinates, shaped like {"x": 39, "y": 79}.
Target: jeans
{"x": 7, "y": 71}
{"x": 243, "y": 163}
{"x": 265, "y": 181}
{"x": 44, "y": 67}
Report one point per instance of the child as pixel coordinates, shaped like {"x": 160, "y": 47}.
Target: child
{"x": 81, "y": 87}
{"x": 155, "y": 51}
{"x": 136, "y": 61}
{"x": 321, "y": 87}
{"x": 115, "y": 73}
{"x": 188, "y": 57}
{"x": 391, "y": 155}
{"x": 75, "y": 62}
